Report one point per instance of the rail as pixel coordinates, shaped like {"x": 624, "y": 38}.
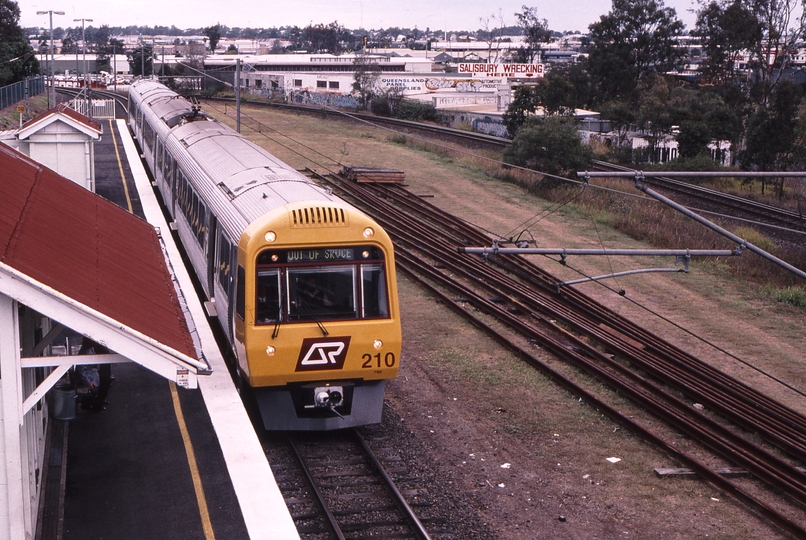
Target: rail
{"x": 349, "y": 485}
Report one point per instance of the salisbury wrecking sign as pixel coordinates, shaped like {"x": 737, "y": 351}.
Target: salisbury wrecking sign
{"x": 502, "y": 70}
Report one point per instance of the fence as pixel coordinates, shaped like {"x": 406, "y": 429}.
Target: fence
{"x": 14, "y": 93}
{"x": 97, "y": 109}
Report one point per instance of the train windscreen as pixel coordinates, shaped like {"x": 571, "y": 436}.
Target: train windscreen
{"x": 319, "y": 285}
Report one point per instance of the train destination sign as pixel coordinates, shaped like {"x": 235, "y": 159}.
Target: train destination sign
{"x": 310, "y": 255}
{"x": 320, "y": 255}
{"x": 502, "y": 70}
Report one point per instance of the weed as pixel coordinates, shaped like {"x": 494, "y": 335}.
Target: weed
{"x": 755, "y": 237}
{"x": 794, "y": 296}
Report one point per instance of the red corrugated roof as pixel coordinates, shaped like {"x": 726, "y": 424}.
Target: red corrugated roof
{"x": 85, "y": 247}
{"x": 64, "y": 109}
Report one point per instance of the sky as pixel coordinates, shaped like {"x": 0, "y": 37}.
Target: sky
{"x": 448, "y": 15}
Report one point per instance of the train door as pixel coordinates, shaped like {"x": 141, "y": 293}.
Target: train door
{"x": 223, "y": 274}
{"x": 212, "y": 233}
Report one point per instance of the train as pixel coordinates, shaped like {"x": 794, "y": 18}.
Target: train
{"x": 302, "y": 283}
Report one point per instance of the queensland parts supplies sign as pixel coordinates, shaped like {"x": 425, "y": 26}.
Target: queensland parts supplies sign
{"x": 502, "y": 70}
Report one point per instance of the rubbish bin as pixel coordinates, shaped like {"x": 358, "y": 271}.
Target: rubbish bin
{"x": 64, "y": 402}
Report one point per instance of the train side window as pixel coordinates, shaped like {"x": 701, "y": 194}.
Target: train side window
{"x": 374, "y": 299}
{"x": 224, "y": 254}
{"x": 267, "y": 300}
{"x": 240, "y": 309}
{"x": 158, "y": 168}
{"x": 168, "y": 173}
{"x": 193, "y": 216}
{"x": 148, "y": 136}
{"x": 202, "y": 228}
{"x": 181, "y": 189}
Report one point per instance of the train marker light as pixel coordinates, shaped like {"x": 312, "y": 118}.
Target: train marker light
{"x": 378, "y": 344}
{"x": 275, "y": 257}
{"x": 270, "y": 236}
{"x": 369, "y": 232}
{"x": 270, "y": 350}
{"x": 365, "y": 254}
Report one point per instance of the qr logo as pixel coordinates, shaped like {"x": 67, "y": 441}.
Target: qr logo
{"x": 323, "y": 353}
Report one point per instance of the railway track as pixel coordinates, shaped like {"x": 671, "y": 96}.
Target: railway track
{"x": 337, "y": 485}
{"x": 652, "y": 373}
{"x": 467, "y": 139}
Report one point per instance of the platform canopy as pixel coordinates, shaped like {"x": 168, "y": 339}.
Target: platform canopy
{"x": 82, "y": 261}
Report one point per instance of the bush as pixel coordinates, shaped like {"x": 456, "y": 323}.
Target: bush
{"x": 551, "y": 145}
{"x": 416, "y": 111}
{"x": 380, "y": 106}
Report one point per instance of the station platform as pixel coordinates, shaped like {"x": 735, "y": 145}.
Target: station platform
{"x": 159, "y": 461}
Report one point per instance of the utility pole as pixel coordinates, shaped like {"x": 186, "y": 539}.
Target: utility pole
{"x": 238, "y": 94}
{"x": 52, "y": 80}
{"x": 88, "y": 101}
{"x": 84, "y": 43}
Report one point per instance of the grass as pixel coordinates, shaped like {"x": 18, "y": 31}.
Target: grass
{"x": 793, "y": 296}
{"x": 10, "y": 118}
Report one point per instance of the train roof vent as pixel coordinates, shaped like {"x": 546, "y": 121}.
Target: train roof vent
{"x": 318, "y": 216}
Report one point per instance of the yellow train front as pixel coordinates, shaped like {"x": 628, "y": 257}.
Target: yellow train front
{"x": 303, "y": 284}
{"x": 317, "y": 325}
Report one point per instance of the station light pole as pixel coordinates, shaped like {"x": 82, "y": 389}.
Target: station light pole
{"x": 84, "y": 43}
{"x": 52, "y": 80}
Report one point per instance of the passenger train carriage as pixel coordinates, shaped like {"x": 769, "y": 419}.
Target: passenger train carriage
{"x": 303, "y": 283}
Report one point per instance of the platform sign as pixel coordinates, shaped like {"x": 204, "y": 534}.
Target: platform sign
{"x": 502, "y": 70}
{"x": 182, "y": 377}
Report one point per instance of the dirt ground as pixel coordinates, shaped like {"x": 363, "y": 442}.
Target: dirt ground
{"x": 534, "y": 461}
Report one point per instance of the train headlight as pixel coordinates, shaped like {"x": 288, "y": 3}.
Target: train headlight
{"x": 270, "y": 237}
{"x": 270, "y": 350}
{"x": 378, "y": 344}
{"x": 369, "y": 232}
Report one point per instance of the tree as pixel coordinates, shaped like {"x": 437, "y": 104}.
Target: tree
{"x": 772, "y": 131}
{"x": 143, "y": 54}
{"x": 770, "y": 30}
{"x": 535, "y": 31}
{"x": 725, "y": 30}
{"x": 556, "y": 93}
{"x": 550, "y": 145}
{"x": 324, "y": 38}
{"x": 524, "y": 103}
{"x": 621, "y": 117}
{"x": 213, "y": 34}
{"x": 17, "y": 58}
{"x": 637, "y": 38}
{"x": 654, "y": 113}
{"x": 492, "y": 35}
{"x": 99, "y": 41}
{"x": 366, "y": 73}
{"x": 693, "y": 139}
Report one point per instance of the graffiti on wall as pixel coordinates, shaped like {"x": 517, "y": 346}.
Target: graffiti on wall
{"x": 325, "y": 99}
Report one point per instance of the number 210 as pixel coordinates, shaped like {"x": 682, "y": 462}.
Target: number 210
{"x": 375, "y": 361}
